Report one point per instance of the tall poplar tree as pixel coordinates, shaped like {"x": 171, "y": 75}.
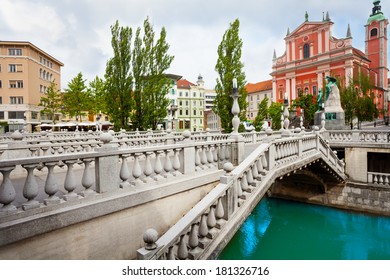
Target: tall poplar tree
{"x": 229, "y": 66}
{"x": 96, "y": 90}
{"x": 155, "y": 84}
{"x": 119, "y": 81}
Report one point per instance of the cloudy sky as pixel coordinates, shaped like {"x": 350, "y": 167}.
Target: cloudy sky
{"x": 77, "y": 32}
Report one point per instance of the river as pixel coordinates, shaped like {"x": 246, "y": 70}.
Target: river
{"x": 286, "y": 230}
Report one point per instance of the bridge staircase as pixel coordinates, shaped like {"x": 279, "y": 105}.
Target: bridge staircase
{"x": 205, "y": 230}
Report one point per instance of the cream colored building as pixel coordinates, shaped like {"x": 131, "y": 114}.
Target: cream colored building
{"x": 25, "y": 74}
{"x": 190, "y": 111}
{"x": 255, "y": 94}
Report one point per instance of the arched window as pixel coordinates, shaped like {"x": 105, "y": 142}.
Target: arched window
{"x": 374, "y": 32}
{"x": 306, "y": 51}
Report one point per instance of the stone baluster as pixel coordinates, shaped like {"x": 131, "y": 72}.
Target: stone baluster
{"x": 380, "y": 181}
{"x": 182, "y": 251}
{"x": 239, "y": 189}
{"x": 210, "y": 157}
{"x": 260, "y": 167}
{"x": 88, "y": 178}
{"x": 386, "y": 180}
{"x": 211, "y": 223}
{"x": 197, "y": 159}
{"x": 51, "y": 186}
{"x": 203, "y": 157}
{"x": 7, "y": 190}
{"x": 54, "y": 150}
{"x": 171, "y": 254}
{"x": 220, "y": 213}
{"x": 70, "y": 181}
{"x": 244, "y": 183}
{"x": 249, "y": 177}
{"x": 168, "y": 165}
{"x": 264, "y": 163}
{"x": 193, "y": 239}
{"x": 215, "y": 154}
{"x": 176, "y": 163}
{"x": 148, "y": 170}
{"x": 193, "y": 242}
{"x": 228, "y": 149}
{"x": 137, "y": 171}
{"x": 124, "y": 172}
{"x": 221, "y": 152}
{"x": 30, "y": 189}
{"x": 203, "y": 228}
{"x": 255, "y": 171}
{"x": 158, "y": 168}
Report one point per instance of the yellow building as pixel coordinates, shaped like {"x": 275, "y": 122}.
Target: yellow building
{"x": 25, "y": 74}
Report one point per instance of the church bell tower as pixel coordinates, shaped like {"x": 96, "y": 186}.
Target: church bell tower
{"x": 376, "y": 44}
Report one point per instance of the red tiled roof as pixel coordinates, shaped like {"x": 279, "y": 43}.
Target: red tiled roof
{"x": 360, "y": 53}
{"x": 261, "y": 86}
{"x": 183, "y": 83}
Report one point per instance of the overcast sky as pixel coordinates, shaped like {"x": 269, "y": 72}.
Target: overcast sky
{"x": 77, "y": 32}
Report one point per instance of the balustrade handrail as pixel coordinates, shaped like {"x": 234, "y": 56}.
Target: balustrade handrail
{"x": 235, "y": 186}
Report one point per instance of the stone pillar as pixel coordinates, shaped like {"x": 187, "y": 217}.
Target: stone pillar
{"x": 188, "y": 156}
{"x": 107, "y": 168}
{"x": 238, "y": 149}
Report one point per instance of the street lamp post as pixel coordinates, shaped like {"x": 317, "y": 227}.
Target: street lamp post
{"x": 235, "y": 108}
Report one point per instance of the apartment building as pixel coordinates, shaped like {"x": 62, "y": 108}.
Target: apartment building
{"x": 26, "y": 72}
{"x": 255, "y": 94}
{"x": 190, "y": 111}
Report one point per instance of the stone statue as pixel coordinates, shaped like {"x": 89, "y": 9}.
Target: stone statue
{"x": 332, "y": 96}
{"x": 320, "y": 101}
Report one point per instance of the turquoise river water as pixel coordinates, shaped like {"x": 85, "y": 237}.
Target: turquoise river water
{"x": 285, "y": 230}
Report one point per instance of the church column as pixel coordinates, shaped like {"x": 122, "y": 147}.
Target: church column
{"x": 288, "y": 89}
{"x": 319, "y": 80}
{"x": 327, "y": 41}
{"x": 293, "y": 51}
{"x": 319, "y": 42}
{"x": 348, "y": 75}
{"x": 288, "y": 51}
{"x": 274, "y": 91}
{"x": 294, "y": 88}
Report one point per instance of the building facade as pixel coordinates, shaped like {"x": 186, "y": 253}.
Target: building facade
{"x": 25, "y": 74}
{"x": 312, "y": 53}
{"x": 190, "y": 106}
{"x": 255, "y": 94}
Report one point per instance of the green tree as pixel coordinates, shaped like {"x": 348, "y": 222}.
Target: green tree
{"x": 349, "y": 97}
{"x": 275, "y": 112}
{"x": 229, "y": 66}
{"x": 308, "y": 103}
{"x": 262, "y": 114}
{"x": 357, "y": 99}
{"x": 138, "y": 67}
{"x": 51, "y": 101}
{"x": 155, "y": 84}
{"x": 119, "y": 81}
{"x": 77, "y": 100}
{"x": 96, "y": 92}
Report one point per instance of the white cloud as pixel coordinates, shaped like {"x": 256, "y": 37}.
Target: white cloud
{"x": 77, "y": 32}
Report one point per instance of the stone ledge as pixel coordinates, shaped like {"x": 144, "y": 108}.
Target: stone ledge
{"x": 105, "y": 204}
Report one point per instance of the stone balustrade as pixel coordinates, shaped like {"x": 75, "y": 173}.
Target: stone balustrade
{"x": 213, "y": 221}
{"x": 357, "y": 136}
{"x": 58, "y": 178}
{"x": 378, "y": 179}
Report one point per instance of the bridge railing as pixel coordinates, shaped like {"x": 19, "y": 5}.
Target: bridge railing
{"x": 48, "y": 180}
{"x": 357, "y": 136}
{"x": 199, "y": 232}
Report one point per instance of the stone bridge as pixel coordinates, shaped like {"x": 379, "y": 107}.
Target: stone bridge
{"x": 93, "y": 196}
